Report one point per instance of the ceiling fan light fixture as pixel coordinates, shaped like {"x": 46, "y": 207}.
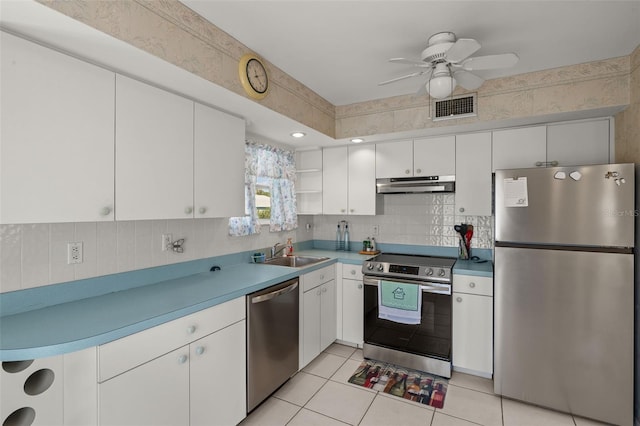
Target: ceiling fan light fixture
{"x": 441, "y": 86}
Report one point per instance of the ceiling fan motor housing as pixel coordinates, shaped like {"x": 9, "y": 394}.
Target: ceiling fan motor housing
{"x": 439, "y": 44}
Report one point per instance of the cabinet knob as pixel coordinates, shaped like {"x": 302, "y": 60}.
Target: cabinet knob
{"x": 202, "y": 210}
{"x": 318, "y": 292}
{"x": 343, "y": 210}
{"x": 105, "y": 211}
{"x": 359, "y": 286}
{"x": 418, "y": 171}
{"x": 472, "y": 284}
{"x": 191, "y": 329}
{"x": 182, "y": 359}
{"x": 352, "y": 210}
{"x": 353, "y": 272}
{"x": 458, "y": 299}
{"x": 199, "y": 350}
{"x": 188, "y": 210}
{"x": 322, "y": 277}
{"x": 461, "y": 209}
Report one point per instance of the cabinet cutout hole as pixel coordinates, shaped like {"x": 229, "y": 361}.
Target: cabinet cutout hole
{"x": 21, "y": 417}
{"x": 38, "y": 382}
{"x": 16, "y": 366}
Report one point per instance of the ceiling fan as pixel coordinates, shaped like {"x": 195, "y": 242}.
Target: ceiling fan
{"x": 446, "y": 62}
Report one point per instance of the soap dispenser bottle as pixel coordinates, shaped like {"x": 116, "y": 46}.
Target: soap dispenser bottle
{"x": 338, "y": 238}
{"x": 346, "y": 237}
{"x": 289, "y": 247}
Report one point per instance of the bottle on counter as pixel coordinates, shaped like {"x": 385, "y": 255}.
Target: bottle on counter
{"x": 372, "y": 244}
{"x": 289, "y": 247}
{"x": 346, "y": 237}
{"x": 339, "y": 242}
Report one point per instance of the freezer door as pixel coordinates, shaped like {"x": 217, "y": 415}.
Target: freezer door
{"x": 564, "y": 331}
{"x": 549, "y": 206}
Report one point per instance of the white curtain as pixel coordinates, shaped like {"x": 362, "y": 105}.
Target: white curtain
{"x": 279, "y": 166}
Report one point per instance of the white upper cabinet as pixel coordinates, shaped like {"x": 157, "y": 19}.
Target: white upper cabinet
{"x": 362, "y": 180}
{"x": 519, "y": 148}
{"x": 394, "y": 159}
{"x": 154, "y": 153}
{"x": 218, "y": 163}
{"x": 563, "y": 144}
{"x": 56, "y": 136}
{"x": 434, "y": 156}
{"x": 579, "y": 143}
{"x": 335, "y": 174}
{"x": 473, "y": 174}
{"x": 348, "y": 180}
{"x": 419, "y": 157}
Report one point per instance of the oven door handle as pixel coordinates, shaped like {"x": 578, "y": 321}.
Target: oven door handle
{"x": 424, "y": 287}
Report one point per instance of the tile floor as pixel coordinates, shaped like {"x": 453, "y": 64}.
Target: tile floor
{"x": 320, "y": 395}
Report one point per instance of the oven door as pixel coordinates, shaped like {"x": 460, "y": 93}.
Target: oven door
{"x": 431, "y": 338}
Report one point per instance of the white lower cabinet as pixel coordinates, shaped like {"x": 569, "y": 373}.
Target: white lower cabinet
{"x": 318, "y": 313}
{"x": 200, "y": 382}
{"x": 352, "y": 306}
{"x": 473, "y": 325}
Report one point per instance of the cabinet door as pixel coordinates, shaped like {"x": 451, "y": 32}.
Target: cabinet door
{"x": 328, "y": 315}
{"x": 352, "y": 311}
{"x": 154, "y": 153}
{"x": 218, "y": 158}
{"x": 56, "y": 136}
{"x": 580, "y": 143}
{"x": 519, "y": 148}
{"x": 362, "y": 180}
{"x": 155, "y": 393}
{"x": 394, "y": 159}
{"x": 473, "y": 174}
{"x": 218, "y": 377}
{"x": 311, "y": 325}
{"x": 473, "y": 333}
{"x": 434, "y": 156}
{"x": 334, "y": 180}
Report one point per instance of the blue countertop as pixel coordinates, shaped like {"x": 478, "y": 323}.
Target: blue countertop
{"x": 38, "y": 330}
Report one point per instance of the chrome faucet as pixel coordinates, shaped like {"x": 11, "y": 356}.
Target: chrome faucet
{"x": 275, "y": 250}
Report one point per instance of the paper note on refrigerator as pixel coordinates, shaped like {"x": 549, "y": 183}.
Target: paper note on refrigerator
{"x": 515, "y": 192}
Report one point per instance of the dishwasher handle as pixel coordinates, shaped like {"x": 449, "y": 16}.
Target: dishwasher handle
{"x": 274, "y": 294}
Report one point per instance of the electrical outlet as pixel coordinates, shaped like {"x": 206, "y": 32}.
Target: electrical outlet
{"x": 74, "y": 253}
{"x": 166, "y": 240}
{"x": 375, "y": 230}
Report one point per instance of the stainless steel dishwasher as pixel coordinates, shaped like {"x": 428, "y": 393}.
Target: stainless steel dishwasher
{"x": 272, "y": 339}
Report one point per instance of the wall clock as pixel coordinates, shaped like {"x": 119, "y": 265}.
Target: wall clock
{"x": 253, "y": 76}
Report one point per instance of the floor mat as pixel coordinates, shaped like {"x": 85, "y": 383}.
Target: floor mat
{"x": 413, "y": 385}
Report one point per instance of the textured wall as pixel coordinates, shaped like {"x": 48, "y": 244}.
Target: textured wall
{"x": 628, "y": 121}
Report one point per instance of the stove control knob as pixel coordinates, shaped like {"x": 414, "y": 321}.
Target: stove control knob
{"x": 429, "y": 271}
{"x": 370, "y": 266}
{"x": 381, "y": 267}
{"x": 441, "y": 273}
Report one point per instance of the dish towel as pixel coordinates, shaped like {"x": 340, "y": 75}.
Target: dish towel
{"x": 399, "y": 302}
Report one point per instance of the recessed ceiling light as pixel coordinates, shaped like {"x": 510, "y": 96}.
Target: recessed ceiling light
{"x": 357, "y": 140}
{"x": 298, "y": 134}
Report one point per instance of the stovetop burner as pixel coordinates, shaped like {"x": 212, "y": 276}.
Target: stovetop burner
{"x": 410, "y": 266}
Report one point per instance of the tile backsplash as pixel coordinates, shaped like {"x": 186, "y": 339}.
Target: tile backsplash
{"x": 420, "y": 219}
{"x": 33, "y": 255}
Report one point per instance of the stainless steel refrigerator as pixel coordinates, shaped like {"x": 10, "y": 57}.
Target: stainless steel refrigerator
{"x": 564, "y": 289}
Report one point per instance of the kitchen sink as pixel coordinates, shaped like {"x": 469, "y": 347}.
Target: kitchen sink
{"x": 295, "y": 261}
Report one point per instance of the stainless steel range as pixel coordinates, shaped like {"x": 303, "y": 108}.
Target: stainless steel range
{"x": 424, "y": 341}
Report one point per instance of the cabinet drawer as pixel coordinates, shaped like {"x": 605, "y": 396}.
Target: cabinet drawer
{"x": 126, "y": 353}
{"x": 317, "y": 277}
{"x": 352, "y": 272}
{"x": 473, "y": 284}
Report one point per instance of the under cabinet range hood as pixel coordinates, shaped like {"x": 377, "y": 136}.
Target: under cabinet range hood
{"x": 415, "y": 185}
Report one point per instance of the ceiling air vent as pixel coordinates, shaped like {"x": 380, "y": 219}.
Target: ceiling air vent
{"x": 462, "y": 106}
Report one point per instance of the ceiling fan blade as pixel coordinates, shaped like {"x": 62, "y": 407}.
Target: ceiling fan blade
{"x": 409, "y": 62}
{"x": 488, "y": 62}
{"x": 461, "y": 49}
{"x": 415, "y": 74}
{"x": 423, "y": 89}
{"x": 468, "y": 80}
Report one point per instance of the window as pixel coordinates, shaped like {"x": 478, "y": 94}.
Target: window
{"x": 269, "y": 191}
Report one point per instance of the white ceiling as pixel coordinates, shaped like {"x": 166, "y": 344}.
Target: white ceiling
{"x": 340, "y": 49}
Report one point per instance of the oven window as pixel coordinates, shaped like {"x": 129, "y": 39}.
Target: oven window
{"x": 432, "y": 337}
